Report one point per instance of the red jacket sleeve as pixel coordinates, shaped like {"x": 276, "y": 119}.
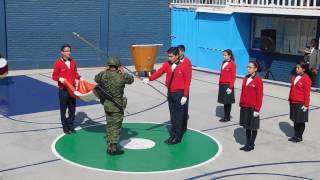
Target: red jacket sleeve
{"x": 188, "y": 76}
{"x": 259, "y": 96}
{"x": 233, "y": 75}
{"x": 158, "y": 73}
{"x": 56, "y": 71}
{"x": 307, "y": 89}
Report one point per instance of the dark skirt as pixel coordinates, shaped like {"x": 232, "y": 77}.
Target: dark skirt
{"x": 296, "y": 113}
{"x": 223, "y": 97}
{"x": 247, "y": 120}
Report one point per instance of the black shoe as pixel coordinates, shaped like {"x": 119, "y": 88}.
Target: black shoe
{"x": 168, "y": 140}
{"x": 248, "y": 148}
{"x": 244, "y": 147}
{"x": 174, "y": 141}
{"x": 292, "y": 139}
{"x": 297, "y": 140}
{"x": 66, "y": 131}
{"x": 224, "y": 119}
{"x": 73, "y": 131}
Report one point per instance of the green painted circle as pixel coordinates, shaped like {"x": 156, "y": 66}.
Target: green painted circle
{"x": 87, "y": 148}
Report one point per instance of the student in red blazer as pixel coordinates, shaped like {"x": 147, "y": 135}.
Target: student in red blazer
{"x": 65, "y": 68}
{"x": 178, "y": 81}
{"x": 182, "y": 58}
{"x": 250, "y": 103}
{"x": 299, "y": 99}
{"x": 226, "y": 83}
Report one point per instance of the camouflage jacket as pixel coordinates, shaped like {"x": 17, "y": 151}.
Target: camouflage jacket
{"x": 114, "y": 82}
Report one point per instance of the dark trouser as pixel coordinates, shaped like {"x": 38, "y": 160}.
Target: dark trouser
{"x": 251, "y": 137}
{"x": 177, "y": 114}
{"x": 313, "y": 78}
{"x": 299, "y": 129}
{"x": 66, "y": 101}
{"x": 186, "y": 116}
{"x": 227, "y": 111}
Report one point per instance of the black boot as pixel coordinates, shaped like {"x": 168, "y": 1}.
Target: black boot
{"x": 113, "y": 149}
{"x": 168, "y": 140}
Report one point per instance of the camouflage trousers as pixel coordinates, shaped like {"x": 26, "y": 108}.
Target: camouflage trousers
{"x": 114, "y": 124}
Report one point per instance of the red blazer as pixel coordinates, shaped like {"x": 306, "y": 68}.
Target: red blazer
{"x": 62, "y": 70}
{"x": 181, "y": 79}
{"x": 252, "y": 95}
{"x": 228, "y": 74}
{"x": 300, "y": 93}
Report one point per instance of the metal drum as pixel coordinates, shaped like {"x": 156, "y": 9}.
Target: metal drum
{"x": 3, "y": 68}
{"x": 144, "y": 57}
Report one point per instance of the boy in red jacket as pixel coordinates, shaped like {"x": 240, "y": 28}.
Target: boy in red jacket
{"x": 65, "y": 68}
{"x": 299, "y": 99}
{"x": 178, "y": 81}
{"x": 250, "y": 103}
{"x": 182, "y": 58}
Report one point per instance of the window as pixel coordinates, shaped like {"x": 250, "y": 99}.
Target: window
{"x": 292, "y": 35}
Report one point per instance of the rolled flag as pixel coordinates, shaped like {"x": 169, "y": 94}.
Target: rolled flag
{"x": 84, "y": 92}
{"x": 85, "y": 87}
{"x": 70, "y": 88}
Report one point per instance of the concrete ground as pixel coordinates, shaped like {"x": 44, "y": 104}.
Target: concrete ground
{"x": 25, "y": 139}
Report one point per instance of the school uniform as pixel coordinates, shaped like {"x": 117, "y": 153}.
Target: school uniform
{"x": 299, "y": 96}
{"x": 227, "y": 80}
{"x": 66, "y": 69}
{"x": 186, "y": 115}
{"x": 178, "y": 80}
{"x": 250, "y": 101}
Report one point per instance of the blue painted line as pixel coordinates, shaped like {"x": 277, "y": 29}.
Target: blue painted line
{"x": 29, "y": 165}
{"x": 268, "y": 174}
{"x": 208, "y": 82}
{"x": 251, "y": 166}
{"x": 33, "y": 130}
{"x": 93, "y": 122}
{"x": 266, "y": 118}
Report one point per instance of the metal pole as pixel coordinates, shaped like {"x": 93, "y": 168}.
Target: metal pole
{"x": 102, "y": 52}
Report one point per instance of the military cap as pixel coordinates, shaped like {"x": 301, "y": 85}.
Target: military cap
{"x": 114, "y": 61}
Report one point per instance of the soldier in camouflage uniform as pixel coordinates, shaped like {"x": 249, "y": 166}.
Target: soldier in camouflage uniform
{"x": 113, "y": 81}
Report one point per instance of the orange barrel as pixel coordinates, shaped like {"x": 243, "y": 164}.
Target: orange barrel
{"x": 144, "y": 56}
{"x": 3, "y": 68}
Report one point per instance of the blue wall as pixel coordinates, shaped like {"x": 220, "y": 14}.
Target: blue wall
{"x": 35, "y": 32}
{"x": 202, "y": 33}
{"x": 205, "y": 34}
{"x": 138, "y": 22}
{"x": 3, "y": 49}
